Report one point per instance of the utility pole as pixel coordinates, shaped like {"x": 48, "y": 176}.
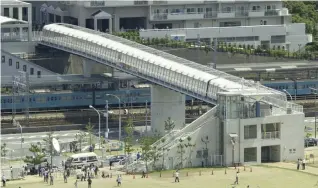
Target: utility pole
{"x": 146, "y": 117}
{"x": 106, "y": 115}
{"x": 315, "y": 91}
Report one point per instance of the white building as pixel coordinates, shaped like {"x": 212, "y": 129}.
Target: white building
{"x": 229, "y": 21}
{"x": 16, "y": 20}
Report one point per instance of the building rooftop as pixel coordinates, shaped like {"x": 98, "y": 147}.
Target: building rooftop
{"x": 13, "y": 2}
{"x": 7, "y": 20}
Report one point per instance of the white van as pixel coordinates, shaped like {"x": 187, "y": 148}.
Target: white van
{"x": 82, "y": 159}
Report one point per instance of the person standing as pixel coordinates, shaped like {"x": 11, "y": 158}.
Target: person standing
{"x": 298, "y": 164}
{"x": 75, "y": 183}
{"x": 119, "y": 180}
{"x": 51, "y": 179}
{"x": 143, "y": 174}
{"x": 4, "y": 180}
{"x": 236, "y": 178}
{"x": 65, "y": 177}
{"x": 304, "y": 164}
{"x": 176, "y": 175}
{"x": 89, "y": 182}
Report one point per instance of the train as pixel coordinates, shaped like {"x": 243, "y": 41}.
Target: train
{"x": 129, "y": 97}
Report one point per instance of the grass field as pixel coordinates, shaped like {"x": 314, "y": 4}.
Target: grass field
{"x": 266, "y": 177}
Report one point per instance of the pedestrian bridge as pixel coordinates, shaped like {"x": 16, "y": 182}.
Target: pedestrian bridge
{"x": 158, "y": 67}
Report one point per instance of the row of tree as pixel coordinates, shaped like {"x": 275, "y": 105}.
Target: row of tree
{"x": 233, "y": 47}
{"x": 149, "y": 152}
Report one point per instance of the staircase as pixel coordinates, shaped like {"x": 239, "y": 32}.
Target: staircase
{"x": 172, "y": 138}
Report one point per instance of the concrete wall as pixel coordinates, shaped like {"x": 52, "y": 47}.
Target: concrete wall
{"x": 291, "y": 137}
{"x": 298, "y": 36}
{"x": 166, "y": 103}
{"x": 19, "y": 47}
{"x": 7, "y": 70}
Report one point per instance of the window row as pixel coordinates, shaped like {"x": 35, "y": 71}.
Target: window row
{"x": 127, "y": 61}
{"x": 17, "y": 66}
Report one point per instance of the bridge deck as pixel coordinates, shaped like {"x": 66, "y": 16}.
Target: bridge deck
{"x": 156, "y": 66}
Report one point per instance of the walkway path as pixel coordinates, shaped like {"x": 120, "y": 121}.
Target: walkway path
{"x": 292, "y": 166}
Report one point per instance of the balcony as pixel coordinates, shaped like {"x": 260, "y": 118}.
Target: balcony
{"x": 177, "y": 16}
{"x": 241, "y": 14}
{"x": 158, "y": 17}
{"x": 210, "y": 14}
{"x": 271, "y": 135}
{"x": 256, "y": 13}
{"x": 272, "y": 13}
{"x": 186, "y": 16}
{"x": 225, "y": 14}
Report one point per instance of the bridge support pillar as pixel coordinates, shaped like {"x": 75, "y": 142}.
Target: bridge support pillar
{"x": 166, "y": 104}
{"x": 87, "y": 67}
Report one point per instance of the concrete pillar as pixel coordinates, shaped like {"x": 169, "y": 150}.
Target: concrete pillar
{"x": 11, "y": 12}
{"x": 54, "y": 16}
{"x": 164, "y": 104}
{"x": 110, "y": 25}
{"x": 30, "y": 23}
{"x": 62, "y": 18}
{"x": 95, "y": 24}
{"x": 20, "y": 13}
{"x": 87, "y": 67}
{"x": 21, "y": 32}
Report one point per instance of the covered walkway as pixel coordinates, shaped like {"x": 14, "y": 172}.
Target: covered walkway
{"x": 160, "y": 68}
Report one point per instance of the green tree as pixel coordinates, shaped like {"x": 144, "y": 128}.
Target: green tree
{"x": 304, "y": 12}
{"x": 80, "y": 137}
{"x": 89, "y": 127}
{"x": 4, "y": 150}
{"x": 49, "y": 144}
{"x": 169, "y": 125}
{"x": 181, "y": 151}
{"x": 146, "y": 148}
{"x": 38, "y": 156}
{"x": 155, "y": 155}
{"x": 190, "y": 146}
{"x": 164, "y": 149}
{"x": 128, "y": 140}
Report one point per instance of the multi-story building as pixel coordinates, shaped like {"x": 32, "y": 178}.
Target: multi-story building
{"x": 265, "y": 23}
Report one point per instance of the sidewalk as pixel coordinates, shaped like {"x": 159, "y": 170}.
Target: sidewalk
{"x": 293, "y": 166}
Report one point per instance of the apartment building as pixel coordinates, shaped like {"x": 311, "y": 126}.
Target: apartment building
{"x": 254, "y": 22}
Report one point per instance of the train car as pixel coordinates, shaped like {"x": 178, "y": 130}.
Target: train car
{"x": 303, "y": 86}
{"x": 289, "y": 85}
{"x": 293, "y": 87}
{"x": 129, "y": 97}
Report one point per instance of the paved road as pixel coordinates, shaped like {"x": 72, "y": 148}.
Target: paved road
{"x": 13, "y": 141}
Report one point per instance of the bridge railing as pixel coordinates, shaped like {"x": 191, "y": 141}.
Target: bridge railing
{"x": 138, "y": 66}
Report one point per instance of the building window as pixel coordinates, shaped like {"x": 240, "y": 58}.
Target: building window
{"x": 17, "y": 65}
{"x": 3, "y": 59}
{"x": 10, "y": 62}
{"x": 256, "y": 8}
{"x": 39, "y": 74}
{"x": 190, "y": 10}
{"x": 31, "y": 71}
{"x": 200, "y": 10}
{"x": 175, "y": 10}
{"x": 230, "y": 24}
{"x": 250, "y": 132}
{"x": 33, "y": 13}
{"x": 24, "y": 68}
{"x": 6, "y": 12}
{"x": 250, "y": 154}
{"x": 208, "y": 10}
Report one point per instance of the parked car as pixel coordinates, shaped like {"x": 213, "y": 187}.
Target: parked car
{"x": 310, "y": 142}
{"x": 117, "y": 159}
